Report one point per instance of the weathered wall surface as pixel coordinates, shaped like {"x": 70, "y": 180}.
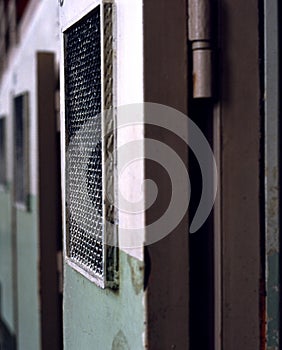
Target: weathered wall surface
{"x": 104, "y": 319}
{"x": 6, "y": 273}
{"x": 19, "y": 228}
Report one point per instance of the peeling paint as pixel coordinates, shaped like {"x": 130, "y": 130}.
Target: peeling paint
{"x": 102, "y": 313}
{"x": 137, "y": 273}
{"x": 120, "y": 342}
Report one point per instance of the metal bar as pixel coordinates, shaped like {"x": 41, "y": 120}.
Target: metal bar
{"x": 217, "y": 234}
{"x": 200, "y": 37}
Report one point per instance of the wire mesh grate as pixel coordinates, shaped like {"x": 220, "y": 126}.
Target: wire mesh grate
{"x": 84, "y": 145}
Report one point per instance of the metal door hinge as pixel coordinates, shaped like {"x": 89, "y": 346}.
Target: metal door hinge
{"x": 201, "y": 43}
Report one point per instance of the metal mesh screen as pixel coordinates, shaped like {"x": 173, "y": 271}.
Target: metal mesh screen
{"x": 84, "y": 145}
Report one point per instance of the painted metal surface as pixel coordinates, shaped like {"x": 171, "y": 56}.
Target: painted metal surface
{"x": 49, "y": 199}
{"x": 272, "y": 176}
{"x": 167, "y": 263}
{"x": 240, "y": 174}
{"x": 200, "y": 37}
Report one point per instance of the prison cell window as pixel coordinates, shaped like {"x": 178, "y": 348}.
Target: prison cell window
{"x": 88, "y": 68}
{"x": 21, "y": 163}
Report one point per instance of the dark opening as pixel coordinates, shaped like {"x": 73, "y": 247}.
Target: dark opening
{"x": 20, "y": 151}
{"x": 201, "y": 245}
{"x": 2, "y": 151}
{"x": 21, "y": 7}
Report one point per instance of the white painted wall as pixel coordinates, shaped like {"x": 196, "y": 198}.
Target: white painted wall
{"x": 129, "y": 90}
{"x": 40, "y": 32}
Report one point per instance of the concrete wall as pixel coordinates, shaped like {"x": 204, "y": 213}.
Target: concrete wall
{"x": 19, "y": 228}
{"x": 105, "y": 319}
{"x": 6, "y": 268}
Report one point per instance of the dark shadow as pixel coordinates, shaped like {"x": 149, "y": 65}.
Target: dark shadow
{"x": 7, "y": 339}
{"x": 201, "y": 246}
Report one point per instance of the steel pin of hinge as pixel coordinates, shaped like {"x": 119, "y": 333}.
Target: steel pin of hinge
{"x": 200, "y": 38}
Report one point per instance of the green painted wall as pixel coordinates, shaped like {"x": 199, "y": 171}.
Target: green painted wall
{"x": 6, "y": 274}
{"x": 273, "y": 298}
{"x": 28, "y": 313}
{"x": 28, "y": 278}
{"x": 103, "y": 319}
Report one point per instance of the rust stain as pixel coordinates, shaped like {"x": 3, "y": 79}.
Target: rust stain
{"x": 194, "y": 81}
{"x": 137, "y": 273}
{"x": 275, "y": 173}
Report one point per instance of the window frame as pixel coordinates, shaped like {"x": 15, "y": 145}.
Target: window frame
{"x": 110, "y": 265}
